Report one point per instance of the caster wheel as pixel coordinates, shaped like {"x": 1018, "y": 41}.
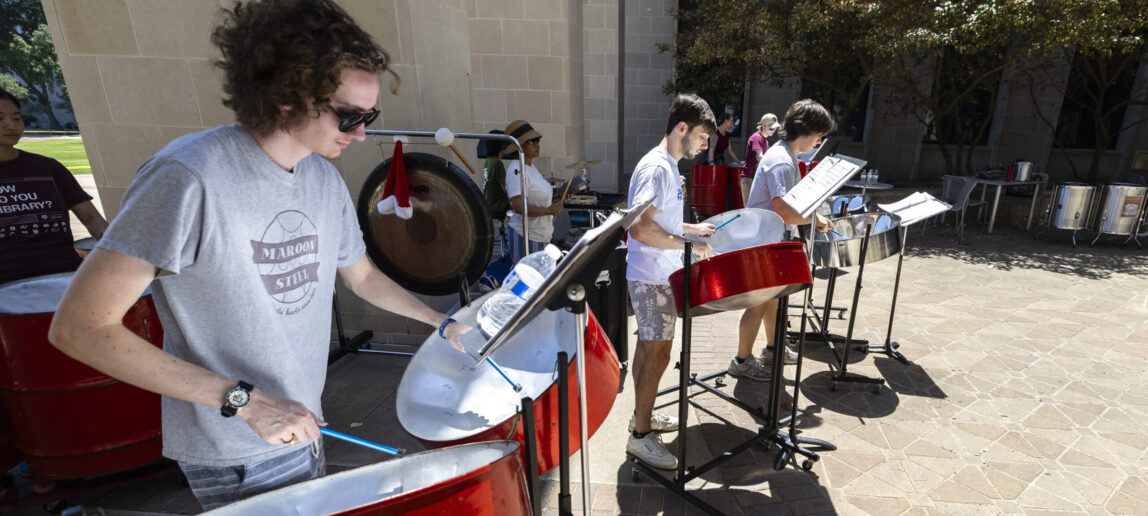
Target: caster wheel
{"x": 634, "y": 474}
{"x": 807, "y": 465}
{"x": 876, "y": 390}
{"x": 833, "y": 386}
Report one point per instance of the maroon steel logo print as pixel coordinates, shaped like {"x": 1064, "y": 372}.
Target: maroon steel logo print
{"x": 288, "y": 258}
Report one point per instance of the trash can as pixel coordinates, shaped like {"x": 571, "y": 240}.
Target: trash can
{"x": 709, "y": 189}
{"x": 609, "y": 302}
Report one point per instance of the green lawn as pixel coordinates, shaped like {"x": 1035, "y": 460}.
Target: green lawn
{"x": 68, "y": 150}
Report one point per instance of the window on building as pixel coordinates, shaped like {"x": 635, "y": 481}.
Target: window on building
{"x": 849, "y": 114}
{"x": 1095, "y": 94}
{"x": 967, "y": 125}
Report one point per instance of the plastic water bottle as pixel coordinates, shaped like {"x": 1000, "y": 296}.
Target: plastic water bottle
{"x": 522, "y": 282}
{"x": 874, "y": 174}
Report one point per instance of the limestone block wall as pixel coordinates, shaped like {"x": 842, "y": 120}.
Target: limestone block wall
{"x": 600, "y": 91}
{"x": 526, "y": 63}
{"x": 647, "y": 24}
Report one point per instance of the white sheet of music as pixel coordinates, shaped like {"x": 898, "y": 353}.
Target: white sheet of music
{"x": 916, "y": 207}
{"x": 820, "y": 183}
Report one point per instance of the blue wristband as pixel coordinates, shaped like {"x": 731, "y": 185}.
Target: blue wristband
{"x": 442, "y": 327}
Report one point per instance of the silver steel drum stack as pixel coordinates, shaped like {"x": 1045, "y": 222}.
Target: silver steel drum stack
{"x": 844, "y": 204}
{"x": 445, "y": 399}
{"x": 1071, "y": 207}
{"x": 842, "y": 246}
{"x": 475, "y": 479}
{"x": 1119, "y": 210}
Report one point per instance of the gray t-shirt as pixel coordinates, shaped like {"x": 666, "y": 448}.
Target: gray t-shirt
{"x": 248, "y": 254}
{"x": 776, "y": 175}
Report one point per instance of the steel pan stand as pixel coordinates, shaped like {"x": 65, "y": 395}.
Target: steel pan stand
{"x": 768, "y": 434}
{"x": 843, "y": 374}
{"x": 890, "y": 348}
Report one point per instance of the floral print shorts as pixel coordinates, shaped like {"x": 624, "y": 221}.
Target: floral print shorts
{"x": 654, "y": 309}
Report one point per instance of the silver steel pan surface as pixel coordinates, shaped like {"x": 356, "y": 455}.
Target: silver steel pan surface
{"x": 1119, "y": 207}
{"x": 444, "y": 396}
{"x": 834, "y": 205}
{"x": 843, "y": 248}
{"x": 1071, "y": 206}
{"x": 751, "y": 227}
{"x": 423, "y": 483}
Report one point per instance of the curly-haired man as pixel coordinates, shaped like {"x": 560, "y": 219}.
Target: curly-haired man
{"x": 243, "y": 228}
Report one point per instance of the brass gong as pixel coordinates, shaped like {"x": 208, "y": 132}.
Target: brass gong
{"x": 450, "y": 232}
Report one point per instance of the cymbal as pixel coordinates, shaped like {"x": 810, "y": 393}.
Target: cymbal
{"x": 583, "y": 164}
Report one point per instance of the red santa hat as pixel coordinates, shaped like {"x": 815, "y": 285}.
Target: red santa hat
{"x": 396, "y": 195}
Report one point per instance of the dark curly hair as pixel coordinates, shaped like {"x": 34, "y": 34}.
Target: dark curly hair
{"x": 283, "y": 52}
{"x": 803, "y": 118}
{"x": 692, "y": 110}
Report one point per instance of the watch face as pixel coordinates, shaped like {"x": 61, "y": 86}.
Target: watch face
{"x": 237, "y": 397}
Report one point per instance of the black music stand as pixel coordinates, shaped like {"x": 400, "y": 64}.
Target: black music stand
{"x": 565, "y": 288}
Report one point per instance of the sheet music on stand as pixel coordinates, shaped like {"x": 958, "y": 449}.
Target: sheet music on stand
{"x": 820, "y": 183}
{"x": 916, "y": 207}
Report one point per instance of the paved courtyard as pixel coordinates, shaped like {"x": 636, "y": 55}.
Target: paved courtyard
{"x": 1024, "y": 396}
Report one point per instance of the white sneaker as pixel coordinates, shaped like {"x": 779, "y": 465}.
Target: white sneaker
{"x": 651, "y": 450}
{"x": 658, "y": 422}
{"x": 790, "y": 355}
{"x": 751, "y": 369}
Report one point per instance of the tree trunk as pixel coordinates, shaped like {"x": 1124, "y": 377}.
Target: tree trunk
{"x": 45, "y": 102}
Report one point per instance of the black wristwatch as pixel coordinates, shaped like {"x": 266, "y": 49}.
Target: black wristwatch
{"x": 236, "y": 399}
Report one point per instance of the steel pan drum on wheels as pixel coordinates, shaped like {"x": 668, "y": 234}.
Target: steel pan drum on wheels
{"x": 1071, "y": 206}
{"x": 450, "y": 232}
{"x": 843, "y": 248}
{"x": 481, "y": 479}
{"x": 445, "y": 399}
{"x": 1119, "y": 208}
{"x": 69, "y": 420}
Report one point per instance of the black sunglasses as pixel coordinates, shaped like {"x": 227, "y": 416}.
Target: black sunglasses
{"x": 349, "y": 121}
{"x": 533, "y": 141}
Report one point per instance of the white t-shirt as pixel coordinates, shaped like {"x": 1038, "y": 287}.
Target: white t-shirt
{"x": 538, "y": 193}
{"x": 656, "y": 179}
{"x": 776, "y": 175}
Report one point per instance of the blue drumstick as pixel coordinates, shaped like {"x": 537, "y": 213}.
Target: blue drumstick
{"x": 517, "y": 387}
{"x": 835, "y": 232}
{"x": 361, "y": 442}
{"x": 733, "y": 218}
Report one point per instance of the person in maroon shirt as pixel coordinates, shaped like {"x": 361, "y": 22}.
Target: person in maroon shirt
{"x": 755, "y": 148}
{"x": 720, "y": 149}
{"x": 36, "y": 193}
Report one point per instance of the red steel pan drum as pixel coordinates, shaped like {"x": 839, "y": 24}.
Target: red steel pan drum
{"x": 445, "y": 399}
{"x": 479, "y": 479}
{"x": 747, "y": 277}
{"x": 69, "y": 420}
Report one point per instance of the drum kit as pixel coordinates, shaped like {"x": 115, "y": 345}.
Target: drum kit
{"x": 1112, "y": 209}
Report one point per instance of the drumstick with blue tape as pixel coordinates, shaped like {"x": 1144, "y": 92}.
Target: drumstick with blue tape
{"x": 731, "y": 219}
{"x": 361, "y": 442}
{"x": 517, "y": 386}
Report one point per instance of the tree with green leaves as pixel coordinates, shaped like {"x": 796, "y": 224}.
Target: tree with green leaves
{"x": 940, "y": 61}
{"x": 27, "y": 53}
{"x": 1102, "y": 44}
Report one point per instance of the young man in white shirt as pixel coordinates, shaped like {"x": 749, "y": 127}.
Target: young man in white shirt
{"x": 654, "y": 252}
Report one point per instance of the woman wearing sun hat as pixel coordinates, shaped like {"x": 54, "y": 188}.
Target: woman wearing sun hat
{"x": 537, "y": 206}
